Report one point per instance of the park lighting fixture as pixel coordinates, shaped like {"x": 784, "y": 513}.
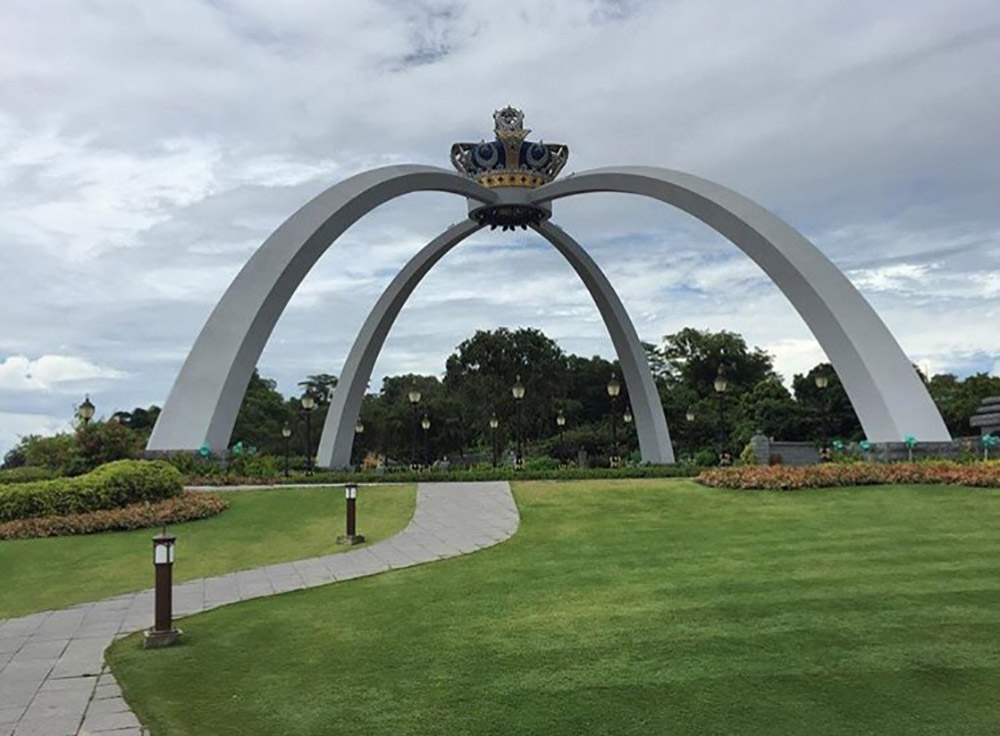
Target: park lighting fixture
{"x": 494, "y": 422}
{"x": 414, "y": 396}
{"x": 351, "y": 537}
{"x": 690, "y": 414}
{"x": 359, "y": 428}
{"x": 163, "y": 633}
{"x": 86, "y": 410}
{"x": 720, "y": 383}
{"x": 518, "y": 388}
{"x": 822, "y": 381}
{"x": 614, "y": 387}
{"x": 627, "y": 416}
{"x": 425, "y": 422}
{"x": 308, "y": 401}
{"x": 561, "y": 418}
{"x": 286, "y": 431}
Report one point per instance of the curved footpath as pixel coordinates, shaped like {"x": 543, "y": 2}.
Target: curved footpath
{"x": 53, "y": 681}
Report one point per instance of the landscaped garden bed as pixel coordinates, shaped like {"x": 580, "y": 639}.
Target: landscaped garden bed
{"x": 789, "y": 478}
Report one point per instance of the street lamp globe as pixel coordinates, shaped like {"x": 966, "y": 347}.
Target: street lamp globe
{"x": 627, "y": 416}
{"x": 359, "y": 428}
{"x": 690, "y": 414}
{"x": 720, "y": 383}
{"x": 518, "y": 388}
{"x": 614, "y": 387}
{"x": 286, "y": 431}
{"x": 494, "y": 422}
{"x": 425, "y": 422}
{"x": 414, "y": 395}
{"x": 822, "y": 381}
{"x": 561, "y": 418}
{"x": 86, "y": 410}
{"x": 308, "y": 401}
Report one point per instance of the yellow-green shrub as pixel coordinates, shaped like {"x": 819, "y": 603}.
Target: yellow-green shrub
{"x": 114, "y": 485}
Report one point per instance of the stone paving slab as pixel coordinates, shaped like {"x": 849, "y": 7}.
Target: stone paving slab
{"x": 53, "y": 681}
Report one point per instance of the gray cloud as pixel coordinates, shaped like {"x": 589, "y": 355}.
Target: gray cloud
{"x": 146, "y": 150}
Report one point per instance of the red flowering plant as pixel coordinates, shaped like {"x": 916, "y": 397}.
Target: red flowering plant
{"x": 793, "y": 478}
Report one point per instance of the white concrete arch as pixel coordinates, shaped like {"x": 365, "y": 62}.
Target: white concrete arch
{"x": 202, "y": 406}
{"x": 338, "y": 432}
{"x": 888, "y": 396}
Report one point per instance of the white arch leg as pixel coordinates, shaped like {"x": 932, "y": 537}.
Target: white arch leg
{"x": 650, "y": 422}
{"x": 203, "y": 403}
{"x": 338, "y": 432}
{"x": 888, "y": 396}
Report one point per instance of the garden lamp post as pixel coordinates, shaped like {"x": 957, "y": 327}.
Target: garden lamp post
{"x": 414, "y": 396}
{"x": 721, "y": 385}
{"x": 163, "y": 633}
{"x": 494, "y": 423}
{"x": 614, "y": 388}
{"x": 359, "y": 429}
{"x": 425, "y": 424}
{"x": 85, "y": 411}
{"x": 560, "y": 422}
{"x": 351, "y": 537}
{"x": 517, "y": 390}
{"x": 822, "y": 381}
{"x": 286, "y": 432}
{"x": 308, "y": 402}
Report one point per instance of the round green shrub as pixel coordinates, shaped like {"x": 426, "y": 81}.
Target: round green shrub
{"x": 113, "y": 485}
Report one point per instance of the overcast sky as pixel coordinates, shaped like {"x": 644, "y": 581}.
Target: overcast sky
{"x": 146, "y": 150}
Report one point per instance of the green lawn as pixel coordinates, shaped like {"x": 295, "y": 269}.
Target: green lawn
{"x": 631, "y": 607}
{"x": 260, "y": 527}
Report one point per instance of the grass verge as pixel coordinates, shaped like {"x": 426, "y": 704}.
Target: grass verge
{"x": 630, "y": 607}
{"x": 259, "y": 528}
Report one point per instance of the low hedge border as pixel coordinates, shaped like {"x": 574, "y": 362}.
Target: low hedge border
{"x": 188, "y": 506}
{"x": 789, "y": 478}
{"x": 26, "y": 474}
{"x": 438, "y": 476}
{"x": 113, "y": 485}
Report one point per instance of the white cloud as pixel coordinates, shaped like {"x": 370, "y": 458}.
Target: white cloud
{"x": 146, "y": 150}
{"x": 49, "y": 372}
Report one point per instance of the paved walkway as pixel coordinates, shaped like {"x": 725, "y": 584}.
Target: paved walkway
{"x": 53, "y": 681}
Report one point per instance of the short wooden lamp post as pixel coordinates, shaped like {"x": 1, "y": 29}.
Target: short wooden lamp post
{"x": 163, "y": 633}
{"x": 352, "y": 537}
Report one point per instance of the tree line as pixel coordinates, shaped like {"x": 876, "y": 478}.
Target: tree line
{"x": 475, "y": 387}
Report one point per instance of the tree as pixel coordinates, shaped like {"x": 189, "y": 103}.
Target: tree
{"x": 827, "y": 412}
{"x": 320, "y": 386}
{"x": 262, "y": 415}
{"x": 958, "y": 399}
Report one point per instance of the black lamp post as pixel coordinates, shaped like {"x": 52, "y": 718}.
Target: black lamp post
{"x": 614, "y": 388}
{"x": 560, "y": 422}
{"x": 822, "y": 381}
{"x": 414, "y": 397}
{"x": 359, "y": 429}
{"x": 163, "y": 633}
{"x": 721, "y": 385}
{"x": 286, "y": 432}
{"x": 425, "y": 424}
{"x": 517, "y": 390}
{"x": 85, "y": 411}
{"x": 351, "y": 537}
{"x": 308, "y": 402}
{"x": 494, "y": 423}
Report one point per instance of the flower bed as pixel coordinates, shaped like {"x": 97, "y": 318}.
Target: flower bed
{"x": 114, "y": 485}
{"x": 788, "y": 478}
{"x": 185, "y": 507}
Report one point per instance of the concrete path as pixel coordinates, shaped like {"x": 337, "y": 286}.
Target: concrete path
{"x": 53, "y": 681}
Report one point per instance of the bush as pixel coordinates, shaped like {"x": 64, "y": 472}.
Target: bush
{"x": 788, "y": 478}
{"x": 475, "y": 474}
{"x": 25, "y": 474}
{"x": 186, "y": 507}
{"x": 113, "y": 485}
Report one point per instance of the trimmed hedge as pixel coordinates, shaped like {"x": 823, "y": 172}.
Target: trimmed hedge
{"x": 186, "y": 507}
{"x": 434, "y": 476}
{"x": 114, "y": 485}
{"x": 26, "y": 474}
{"x": 788, "y": 478}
